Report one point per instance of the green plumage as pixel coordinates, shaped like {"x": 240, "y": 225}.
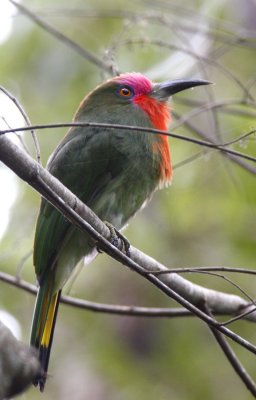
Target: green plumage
{"x": 112, "y": 171}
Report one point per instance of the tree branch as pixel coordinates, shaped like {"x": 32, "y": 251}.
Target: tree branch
{"x": 187, "y": 294}
{"x": 19, "y": 364}
{"x": 133, "y": 311}
{"x": 231, "y": 156}
{"x": 64, "y": 39}
{"x": 232, "y": 358}
{"x": 26, "y": 119}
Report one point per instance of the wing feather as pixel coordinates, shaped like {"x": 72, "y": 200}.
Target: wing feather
{"x": 80, "y": 162}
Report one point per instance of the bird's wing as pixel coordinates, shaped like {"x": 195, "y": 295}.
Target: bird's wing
{"x": 80, "y": 162}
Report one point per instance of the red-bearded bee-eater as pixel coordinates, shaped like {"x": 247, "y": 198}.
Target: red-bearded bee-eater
{"x": 113, "y": 171}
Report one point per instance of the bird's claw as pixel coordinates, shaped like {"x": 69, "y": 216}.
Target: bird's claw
{"x": 118, "y": 240}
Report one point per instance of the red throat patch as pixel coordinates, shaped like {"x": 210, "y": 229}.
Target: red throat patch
{"x": 159, "y": 115}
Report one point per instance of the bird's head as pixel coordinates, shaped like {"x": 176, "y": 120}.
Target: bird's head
{"x": 132, "y": 99}
{"x": 126, "y": 95}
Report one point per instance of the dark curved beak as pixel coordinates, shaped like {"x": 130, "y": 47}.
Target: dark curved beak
{"x": 162, "y": 91}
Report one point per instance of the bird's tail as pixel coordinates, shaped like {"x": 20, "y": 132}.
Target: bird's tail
{"x": 43, "y": 325}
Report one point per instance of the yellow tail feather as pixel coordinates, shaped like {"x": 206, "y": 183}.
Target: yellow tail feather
{"x": 43, "y": 330}
{"x": 46, "y": 337}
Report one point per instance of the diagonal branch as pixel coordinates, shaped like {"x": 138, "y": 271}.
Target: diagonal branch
{"x": 232, "y": 358}
{"x": 187, "y": 294}
{"x": 232, "y": 156}
{"x": 64, "y": 39}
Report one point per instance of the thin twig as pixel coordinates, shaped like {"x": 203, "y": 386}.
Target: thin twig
{"x": 238, "y": 160}
{"x": 26, "y": 118}
{"x": 19, "y": 137}
{"x": 232, "y": 358}
{"x": 209, "y": 271}
{"x": 210, "y": 61}
{"x": 223, "y": 30}
{"x": 218, "y": 31}
{"x": 220, "y": 147}
{"x": 238, "y": 287}
{"x": 236, "y": 106}
{"x": 200, "y": 269}
{"x": 201, "y": 109}
{"x": 239, "y": 316}
{"x": 133, "y": 311}
{"x": 64, "y": 39}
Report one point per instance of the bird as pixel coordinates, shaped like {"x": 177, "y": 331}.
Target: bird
{"x": 113, "y": 171}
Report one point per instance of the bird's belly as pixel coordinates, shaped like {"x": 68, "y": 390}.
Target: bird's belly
{"x": 75, "y": 247}
{"x": 123, "y": 198}
{"x": 116, "y": 203}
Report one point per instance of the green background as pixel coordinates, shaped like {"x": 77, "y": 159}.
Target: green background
{"x": 206, "y": 218}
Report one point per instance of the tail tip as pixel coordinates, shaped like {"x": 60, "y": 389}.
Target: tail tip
{"x": 39, "y": 381}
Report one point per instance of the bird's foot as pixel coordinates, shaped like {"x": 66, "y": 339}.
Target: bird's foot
{"x": 118, "y": 240}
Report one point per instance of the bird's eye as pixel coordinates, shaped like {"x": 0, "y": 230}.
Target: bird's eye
{"x": 125, "y": 91}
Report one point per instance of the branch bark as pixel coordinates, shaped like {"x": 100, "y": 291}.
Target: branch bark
{"x": 18, "y": 364}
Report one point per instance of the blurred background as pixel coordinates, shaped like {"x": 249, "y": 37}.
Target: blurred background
{"x": 206, "y": 218}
